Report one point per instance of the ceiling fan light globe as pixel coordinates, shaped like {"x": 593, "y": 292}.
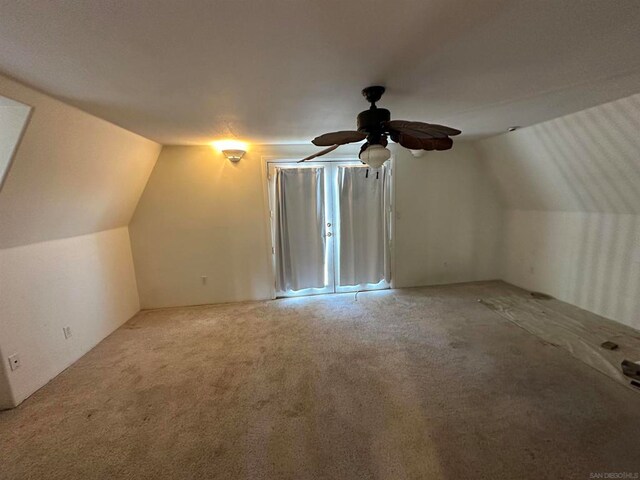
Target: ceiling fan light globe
{"x": 375, "y": 155}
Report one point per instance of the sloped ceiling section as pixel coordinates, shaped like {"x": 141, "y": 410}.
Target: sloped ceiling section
{"x": 587, "y": 161}
{"x": 72, "y": 174}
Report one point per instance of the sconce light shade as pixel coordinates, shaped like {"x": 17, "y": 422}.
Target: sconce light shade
{"x": 233, "y": 155}
{"x": 232, "y": 149}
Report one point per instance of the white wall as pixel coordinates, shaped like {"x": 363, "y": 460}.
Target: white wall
{"x": 588, "y": 259}
{"x": 65, "y": 254}
{"x": 202, "y": 215}
{"x": 448, "y": 219}
{"x": 85, "y": 282}
{"x": 572, "y": 191}
{"x": 6, "y": 396}
{"x": 12, "y": 119}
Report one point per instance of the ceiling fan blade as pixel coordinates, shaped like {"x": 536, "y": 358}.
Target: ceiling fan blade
{"x": 407, "y": 141}
{"x": 418, "y": 128}
{"x": 413, "y": 133}
{"x": 429, "y": 144}
{"x": 320, "y": 153}
{"x": 338, "y": 138}
{"x": 443, "y": 143}
{"x": 415, "y": 143}
{"x": 437, "y": 144}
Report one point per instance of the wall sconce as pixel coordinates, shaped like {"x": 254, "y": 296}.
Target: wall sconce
{"x": 232, "y": 149}
{"x": 233, "y": 155}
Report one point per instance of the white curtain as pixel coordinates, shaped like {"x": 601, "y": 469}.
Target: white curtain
{"x": 300, "y": 219}
{"x": 363, "y": 208}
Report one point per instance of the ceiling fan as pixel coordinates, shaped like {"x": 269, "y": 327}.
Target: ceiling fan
{"x": 375, "y": 126}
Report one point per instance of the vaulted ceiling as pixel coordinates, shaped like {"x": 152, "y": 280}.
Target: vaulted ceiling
{"x": 586, "y": 161}
{"x": 185, "y": 72}
{"x": 72, "y": 173}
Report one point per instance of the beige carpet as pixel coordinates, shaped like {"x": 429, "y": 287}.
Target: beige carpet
{"x": 404, "y": 384}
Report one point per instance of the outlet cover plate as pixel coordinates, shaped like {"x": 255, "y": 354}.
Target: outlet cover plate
{"x": 14, "y": 361}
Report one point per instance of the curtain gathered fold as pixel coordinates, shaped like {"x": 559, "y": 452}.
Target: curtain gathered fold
{"x": 300, "y": 220}
{"x": 363, "y": 198}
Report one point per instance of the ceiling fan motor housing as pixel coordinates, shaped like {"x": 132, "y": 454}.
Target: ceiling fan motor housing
{"x": 370, "y": 121}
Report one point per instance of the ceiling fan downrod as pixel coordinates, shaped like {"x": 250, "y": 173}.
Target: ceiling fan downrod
{"x": 372, "y": 121}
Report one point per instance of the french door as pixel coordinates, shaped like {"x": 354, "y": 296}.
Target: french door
{"x": 330, "y": 226}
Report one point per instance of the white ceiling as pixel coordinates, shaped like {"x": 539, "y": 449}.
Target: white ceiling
{"x": 280, "y": 71}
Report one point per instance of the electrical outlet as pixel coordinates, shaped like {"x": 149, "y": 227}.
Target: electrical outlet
{"x": 67, "y": 332}
{"x": 14, "y": 361}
